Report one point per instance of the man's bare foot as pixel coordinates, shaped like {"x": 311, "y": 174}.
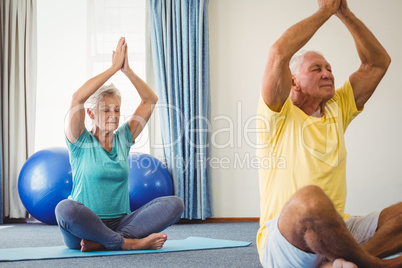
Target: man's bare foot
{"x": 87, "y": 245}
{"x": 338, "y": 263}
{"x": 153, "y": 241}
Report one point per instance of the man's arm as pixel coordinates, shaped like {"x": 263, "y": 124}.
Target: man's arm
{"x": 277, "y": 78}
{"x": 374, "y": 59}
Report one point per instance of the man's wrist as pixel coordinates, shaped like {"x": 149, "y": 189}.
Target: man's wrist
{"x": 325, "y": 13}
{"x": 345, "y": 15}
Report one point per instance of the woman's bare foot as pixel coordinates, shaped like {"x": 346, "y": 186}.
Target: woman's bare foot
{"x": 87, "y": 245}
{"x": 153, "y": 241}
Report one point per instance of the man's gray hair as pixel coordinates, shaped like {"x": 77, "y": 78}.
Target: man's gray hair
{"x": 297, "y": 60}
{"x": 105, "y": 90}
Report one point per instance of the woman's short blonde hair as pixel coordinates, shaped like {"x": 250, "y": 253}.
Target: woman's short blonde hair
{"x": 105, "y": 90}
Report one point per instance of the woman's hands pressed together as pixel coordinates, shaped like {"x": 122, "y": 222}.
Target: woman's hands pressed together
{"x": 119, "y": 56}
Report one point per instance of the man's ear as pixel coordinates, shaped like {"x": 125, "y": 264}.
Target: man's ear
{"x": 295, "y": 84}
{"x": 90, "y": 113}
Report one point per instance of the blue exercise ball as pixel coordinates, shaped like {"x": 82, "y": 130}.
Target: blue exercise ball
{"x": 45, "y": 180}
{"x": 148, "y": 179}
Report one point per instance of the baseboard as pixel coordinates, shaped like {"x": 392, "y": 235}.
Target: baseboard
{"x": 8, "y": 220}
{"x": 221, "y": 220}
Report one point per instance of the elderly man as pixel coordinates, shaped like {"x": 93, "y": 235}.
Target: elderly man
{"x": 303, "y": 120}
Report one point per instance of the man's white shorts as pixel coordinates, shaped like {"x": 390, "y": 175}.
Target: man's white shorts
{"x": 279, "y": 253}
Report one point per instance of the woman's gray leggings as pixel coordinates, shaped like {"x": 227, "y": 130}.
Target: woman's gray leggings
{"x": 78, "y": 222}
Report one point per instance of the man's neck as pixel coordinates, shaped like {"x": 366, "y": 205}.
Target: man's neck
{"x": 311, "y": 107}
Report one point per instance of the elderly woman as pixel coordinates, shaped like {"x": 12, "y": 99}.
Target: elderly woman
{"x": 97, "y": 214}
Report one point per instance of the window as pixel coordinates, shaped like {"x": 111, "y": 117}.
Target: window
{"x": 75, "y": 42}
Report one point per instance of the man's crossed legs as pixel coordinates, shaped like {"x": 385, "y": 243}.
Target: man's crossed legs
{"x": 310, "y": 223}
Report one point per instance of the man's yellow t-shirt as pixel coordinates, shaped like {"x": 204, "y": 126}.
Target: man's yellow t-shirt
{"x": 296, "y": 150}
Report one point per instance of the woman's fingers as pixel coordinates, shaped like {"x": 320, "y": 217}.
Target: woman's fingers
{"x": 119, "y": 55}
{"x": 120, "y": 44}
{"x": 125, "y": 63}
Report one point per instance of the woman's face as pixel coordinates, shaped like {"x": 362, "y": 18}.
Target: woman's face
{"x": 107, "y": 114}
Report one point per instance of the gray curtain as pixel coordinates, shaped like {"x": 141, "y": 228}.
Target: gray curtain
{"x": 17, "y": 99}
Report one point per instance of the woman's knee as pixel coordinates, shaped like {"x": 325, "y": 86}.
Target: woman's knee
{"x": 172, "y": 204}
{"x": 66, "y": 209}
{"x": 176, "y": 208}
{"x": 177, "y": 204}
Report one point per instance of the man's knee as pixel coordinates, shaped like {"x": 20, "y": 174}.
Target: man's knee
{"x": 393, "y": 212}
{"x": 311, "y": 190}
{"x": 309, "y": 204}
{"x": 311, "y": 197}
{"x": 308, "y": 209}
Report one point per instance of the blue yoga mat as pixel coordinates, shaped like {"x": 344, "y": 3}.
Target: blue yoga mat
{"x": 58, "y": 252}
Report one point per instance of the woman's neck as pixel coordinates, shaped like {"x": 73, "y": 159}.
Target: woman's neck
{"x": 105, "y": 138}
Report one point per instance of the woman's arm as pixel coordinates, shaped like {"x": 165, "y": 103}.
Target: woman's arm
{"x": 144, "y": 111}
{"x": 76, "y": 115}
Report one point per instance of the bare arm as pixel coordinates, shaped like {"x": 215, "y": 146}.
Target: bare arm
{"x": 144, "y": 111}
{"x": 277, "y": 78}
{"x": 374, "y": 59}
{"x": 76, "y": 115}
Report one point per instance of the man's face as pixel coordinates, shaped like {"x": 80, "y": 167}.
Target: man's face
{"x": 315, "y": 77}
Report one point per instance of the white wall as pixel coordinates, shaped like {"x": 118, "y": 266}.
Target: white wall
{"x": 241, "y": 33}
{"x": 62, "y": 36}
{"x": 67, "y": 31}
